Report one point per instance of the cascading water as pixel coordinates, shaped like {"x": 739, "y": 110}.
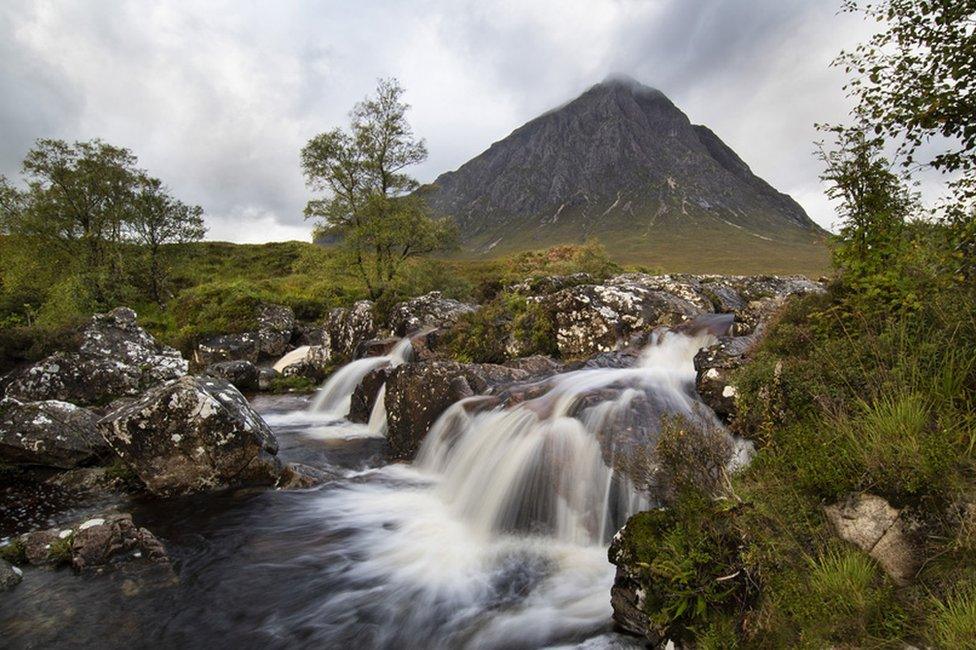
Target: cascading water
{"x": 496, "y": 535}
{"x": 334, "y": 396}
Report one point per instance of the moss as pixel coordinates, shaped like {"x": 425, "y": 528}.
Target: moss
{"x": 508, "y": 326}
{"x": 14, "y": 552}
{"x": 292, "y": 384}
{"x": 60, "y": 552}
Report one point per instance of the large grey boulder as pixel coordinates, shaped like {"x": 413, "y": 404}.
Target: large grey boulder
{"x": 116, "y": 358}
{"x": 310, "y": 361}
{"x": 227, "y": 347}
{"x": 418, "y": 393}
{"x": 346, "y": 328}
{"x": 271, "y": 338}
{"x": 193, "y": 434}
{"x": 594, "y": 318}
{"x": 429, "y": 310}
{"x": 880, "y": 530}
{"x": 49, "y": 433}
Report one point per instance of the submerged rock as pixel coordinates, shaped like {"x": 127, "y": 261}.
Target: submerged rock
{"x": 94, "y": 543}
{"x": 429, "y": 310}
{"x": 10, "y": 576}
{"x": 49, "y": 433}
{"x": 193, "y": 434}
{"x": 874, "y": 526}
{"x": 116, "y": 358}
{"x": 243, "y": 374}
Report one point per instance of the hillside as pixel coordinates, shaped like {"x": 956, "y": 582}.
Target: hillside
{"x": 621, "y": 162}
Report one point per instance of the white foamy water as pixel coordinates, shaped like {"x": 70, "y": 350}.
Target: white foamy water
{"x": 334, "y": 397}
{"x": 496, "y": 536}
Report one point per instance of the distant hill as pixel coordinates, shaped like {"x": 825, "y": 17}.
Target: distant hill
{"x": 621, "y": 162}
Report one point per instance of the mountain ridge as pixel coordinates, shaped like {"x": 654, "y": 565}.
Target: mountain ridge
{"x": 620, "y": 162}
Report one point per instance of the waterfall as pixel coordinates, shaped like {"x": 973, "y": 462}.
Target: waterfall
{"x": 546, "y": 466}
{"x": 335, "y": 395}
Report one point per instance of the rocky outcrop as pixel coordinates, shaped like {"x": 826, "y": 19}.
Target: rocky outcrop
{"x": 49, "y": 433}
{"x": 417, "y": 394}
{"x": 715, "y": 366}
{"x": 244, "y": 375}
{"x": 429, "y": 310}
{"x": 346, "y": 328}
{"x": 116, "y": 358}
{"x": 874, "y": 526}
{"x": 93, "y": 544}
{"x": 226, "y": 347}
{"x": 193, "y": 434}
{"x": 594, "y": 318}
{"x": 548, "y": 284}
{"x": 276, "y": 324}
{"x": 10, "y": 576}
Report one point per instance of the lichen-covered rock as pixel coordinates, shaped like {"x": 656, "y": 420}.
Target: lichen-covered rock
{"x": 116, "y": 358}
{"x": 243, "y": 374}
{"x": 276, "y": 324}
{"x": 595, "y": 318}
{"x": 266, "y": 378}
{"x": 10, "y": 576}
{"x": 417, "y": 394}
{"x": 193, "y": 434}
{"x": 49, "y": 433}
{"x": 873, "y": 525}
{"x": 227, "y": 347}
{"x": 715, "y": 366}
{"x": 348, "y": 327}
{"x": 310, "y": 361}
{"x": 429, "y": 310}
{"x": 549, "y": 284}
{"x": 94, "y": 543}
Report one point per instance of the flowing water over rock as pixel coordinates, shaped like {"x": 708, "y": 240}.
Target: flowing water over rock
{"x": 495, "y": 537}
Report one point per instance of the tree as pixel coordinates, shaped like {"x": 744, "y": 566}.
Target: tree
{"x": 915, "y": 80}
{"x": 874, "y": 202}
{"x": 369, "y": 207}
{"x": 157, "y": 219}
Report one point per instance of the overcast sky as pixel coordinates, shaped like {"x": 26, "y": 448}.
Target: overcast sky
{"x": 217, "y": 98}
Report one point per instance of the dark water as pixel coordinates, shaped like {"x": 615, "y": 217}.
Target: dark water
{"x": 370, "y": 560}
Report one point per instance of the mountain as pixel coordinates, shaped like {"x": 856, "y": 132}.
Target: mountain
{"x": 621, "y": 162}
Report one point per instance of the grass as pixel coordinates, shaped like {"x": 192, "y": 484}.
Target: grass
{"x": 952, "y": 622}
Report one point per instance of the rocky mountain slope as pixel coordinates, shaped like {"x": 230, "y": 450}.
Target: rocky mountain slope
{"x": 621, "y": 162}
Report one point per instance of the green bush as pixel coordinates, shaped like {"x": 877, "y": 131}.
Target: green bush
{"x": 508, "y": 326}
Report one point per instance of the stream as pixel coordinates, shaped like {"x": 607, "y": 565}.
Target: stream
{"x": 494, "y": 537}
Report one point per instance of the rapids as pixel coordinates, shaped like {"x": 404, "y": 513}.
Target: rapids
{"x": 494, "y": 537}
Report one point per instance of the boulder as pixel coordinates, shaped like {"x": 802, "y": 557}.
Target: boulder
{"x": 94, "y": 543}
{"x": 431, "y": 310}
{"x": 243, "y": 374}
{"x": 276, "y": 323}
{"x": 10, "y": 576}
{"x": 364, "y": 396}
{"x": 49, "y": 433}
{"x": 266, "y": 378}
{"x": 348, "y": 327}
{"x": 227, "y": 347}
{"x": 595, "y": 318}
{"x": 311, "y": 361}
{"x": 116, "y": 358}
{"x": 874, "y": 526}
{"x": 417, "y": 394}
{"x": 193, "y": 434}
{"x": 714, "y": 366}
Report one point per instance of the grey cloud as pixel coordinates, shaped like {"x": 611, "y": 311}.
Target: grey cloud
{"x": 217, "y": 99}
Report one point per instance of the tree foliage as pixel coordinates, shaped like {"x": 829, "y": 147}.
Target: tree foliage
{"x": 368, "y": 204}
{"x": 915, "y": 84}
